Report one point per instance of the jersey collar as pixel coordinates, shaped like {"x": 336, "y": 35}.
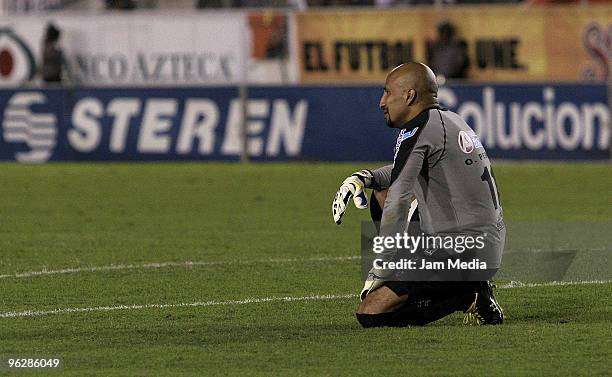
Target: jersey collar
{"x": 421, "y": 118}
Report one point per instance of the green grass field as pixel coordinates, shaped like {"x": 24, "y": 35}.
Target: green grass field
{"x": 119, "y": 234}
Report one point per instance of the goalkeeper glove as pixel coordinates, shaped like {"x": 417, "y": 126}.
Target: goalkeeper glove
{"x": 353, "y": 187}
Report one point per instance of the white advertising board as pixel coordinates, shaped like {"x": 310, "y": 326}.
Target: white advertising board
{"x": 131, "y": 49}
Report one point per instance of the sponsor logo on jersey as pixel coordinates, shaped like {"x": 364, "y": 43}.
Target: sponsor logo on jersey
{"x": 403, "y": 135}
{"x": 465, "y": 142}
{"x": 36, "y": 130}
{"x": 407, "y": 135}
{"x": 468, "y": 141}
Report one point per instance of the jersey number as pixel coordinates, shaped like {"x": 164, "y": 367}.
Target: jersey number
{"x": 492, "y": 185}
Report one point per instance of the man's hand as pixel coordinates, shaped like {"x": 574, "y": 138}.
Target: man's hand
{"x": 353, "y": 187}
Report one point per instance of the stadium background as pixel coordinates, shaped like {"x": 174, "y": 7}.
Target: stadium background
{"x": 164, "y": 85}
{"x": 215, "y": 263}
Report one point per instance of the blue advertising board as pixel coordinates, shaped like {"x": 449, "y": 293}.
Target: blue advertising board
{"x": 313, "y": 123}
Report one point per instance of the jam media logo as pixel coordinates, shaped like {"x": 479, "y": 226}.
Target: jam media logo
{"x": 17, "y": 62}
{"x": 37, "y": 130}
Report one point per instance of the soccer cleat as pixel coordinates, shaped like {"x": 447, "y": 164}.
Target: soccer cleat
{"x": 484, "y": 310}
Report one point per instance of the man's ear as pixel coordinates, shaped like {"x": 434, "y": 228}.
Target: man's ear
{"x": 410, "y": 96}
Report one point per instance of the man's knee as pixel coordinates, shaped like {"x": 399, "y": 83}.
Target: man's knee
{"x": 381, "y": 300}
{"x": 378, "y": 308}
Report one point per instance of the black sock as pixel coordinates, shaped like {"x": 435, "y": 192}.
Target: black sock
{"x": 427, "y": 310}
{"x": 417, "y": 312}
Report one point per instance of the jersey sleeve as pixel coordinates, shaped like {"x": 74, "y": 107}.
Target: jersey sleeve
{"x": 382, "y": 177}
{"x": 408, "y": 165}
{"x": 401, "y": 190}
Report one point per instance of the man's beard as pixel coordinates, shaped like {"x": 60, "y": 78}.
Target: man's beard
{"x": 388, "y": 120}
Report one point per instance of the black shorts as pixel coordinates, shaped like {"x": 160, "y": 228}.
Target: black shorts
{"x": 417, "y": 290}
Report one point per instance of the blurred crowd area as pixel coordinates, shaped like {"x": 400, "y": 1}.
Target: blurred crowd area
{"x": 27, "y": 6}
{"x": 447, "y": 42}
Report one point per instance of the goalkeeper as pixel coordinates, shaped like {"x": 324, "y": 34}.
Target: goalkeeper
{"x": 439, "y": 161}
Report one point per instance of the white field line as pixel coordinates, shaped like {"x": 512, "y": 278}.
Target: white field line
{"x": 155, "y": 265}
{"x": 118, "y": 267}
{"x": 31, "y": 313}
{"x": 518, "y": 284}
{"x": 254, "y": 300}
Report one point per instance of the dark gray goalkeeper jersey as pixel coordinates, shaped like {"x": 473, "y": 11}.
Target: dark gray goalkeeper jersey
{"x": 440, "y": 160}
